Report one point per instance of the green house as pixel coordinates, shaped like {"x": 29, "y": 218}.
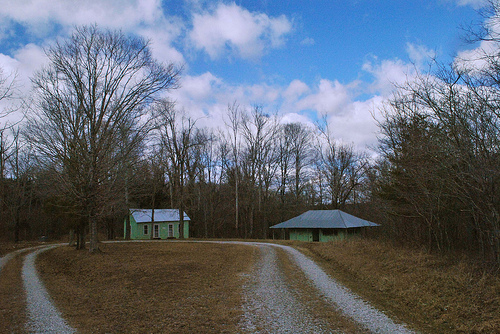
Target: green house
{"x": 323, "y": 225}
{"x": 164, "y": 224}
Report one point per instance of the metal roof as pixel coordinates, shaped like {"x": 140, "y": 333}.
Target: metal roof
{"x": 325, "y": 219}
{"x": 161, "y": 215}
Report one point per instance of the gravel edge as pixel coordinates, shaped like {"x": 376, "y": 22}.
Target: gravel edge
{"x": 351, "y": 304}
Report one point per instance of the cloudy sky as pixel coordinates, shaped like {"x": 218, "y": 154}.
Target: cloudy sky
{"x": 301, "y": 59}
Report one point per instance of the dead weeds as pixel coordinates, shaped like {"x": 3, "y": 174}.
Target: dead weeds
{"x": 8, "y": 246}
{"x": 12, "y": 297}
{"x": 161, "y": 287}
{"x": 436, "y": 294}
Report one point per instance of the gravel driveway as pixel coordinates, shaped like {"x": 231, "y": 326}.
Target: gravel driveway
{"x": 270, "y": 305}
{"x": 346, "y": 301}
{"x": 42, "y": 315}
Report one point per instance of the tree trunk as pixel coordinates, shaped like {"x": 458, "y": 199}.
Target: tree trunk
{"x": 181, "y": 205}
{"x": 94, "y": 242}
{"x": 127, "y": 227}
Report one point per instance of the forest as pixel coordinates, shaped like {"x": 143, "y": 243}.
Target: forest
{"x": 100, "y": 136}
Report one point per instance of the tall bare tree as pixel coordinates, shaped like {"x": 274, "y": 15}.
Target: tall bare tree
{"x": 300, "y": 140}
{"x": 7, "y": 134}
{"x": 97, "y": 82}
{"x": 178, "y": 139}
{"x": 259, "y": 132}
{"x": 342, "y": 168}
{"x": 234, "y": 114}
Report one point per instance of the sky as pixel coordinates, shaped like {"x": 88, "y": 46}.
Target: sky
{"x": 303, "y": 60}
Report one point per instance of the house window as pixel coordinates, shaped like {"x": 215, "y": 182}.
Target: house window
{"x": 170, "y": 230}
{"x": 146, "y": 229}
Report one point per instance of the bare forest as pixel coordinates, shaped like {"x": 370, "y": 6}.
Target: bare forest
{"x": 100, "y": 136}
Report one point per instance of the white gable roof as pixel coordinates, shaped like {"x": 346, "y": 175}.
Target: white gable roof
{"x": 161, "y": 215}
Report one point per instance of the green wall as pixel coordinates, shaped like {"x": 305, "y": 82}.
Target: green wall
{"x": 304, "y": 234}
{"x": 137, "y": 230}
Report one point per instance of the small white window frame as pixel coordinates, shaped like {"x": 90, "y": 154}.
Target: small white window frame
{"x": 145, "y": 229}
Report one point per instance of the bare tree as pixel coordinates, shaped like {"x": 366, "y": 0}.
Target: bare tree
{"x": 300, "y": 141}
{"x": 97, "y": 82}
{"x": 259, "y": 132}
{"x": 234, "y": 114}
{"x": 178, "y": 139}
{"x": 441, "y": 144}
{"x": 342, "y": 168}
{"x": 7, "y": 134}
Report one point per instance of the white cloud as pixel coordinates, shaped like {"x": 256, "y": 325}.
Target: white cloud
{"x": 161, "y": 36}
{"x": 199, "y": 88}
{"x": 295, "y": 90}
{"x": 329, "y": 97}
{"x": 294, "y": 117}
{"x": 419, "y": 54}
{"x": 206, "y": 97}
{"x": 473, "y": 3}
{"x": 111, "y": 13}
{"x": 387, "y": 73}
{"x": 233, "y": 28}
{"x": 43, "y": 18}
{"x": 308, "y": 41}
{"x": 357, "y": 124}
{"x": 22, "y": 65}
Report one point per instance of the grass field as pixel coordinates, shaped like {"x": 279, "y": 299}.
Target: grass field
{"x": 12, "y": 297}
{"x": 190, "y": 288}
{"x": 435, "y": 293}
{"x": 8, "y": 247}
{"x": 149, "y": 288}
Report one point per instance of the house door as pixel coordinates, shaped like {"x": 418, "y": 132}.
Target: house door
{"x": 316, "y": 235}
{"x": 156, "y": 231}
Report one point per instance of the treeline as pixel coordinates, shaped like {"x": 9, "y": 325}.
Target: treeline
{"x": 100, "y": 139}
{"x": 439, "y": 177}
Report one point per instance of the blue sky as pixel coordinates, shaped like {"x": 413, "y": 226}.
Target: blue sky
{"x": 300, "y": 59}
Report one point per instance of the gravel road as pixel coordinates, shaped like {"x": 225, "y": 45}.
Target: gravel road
{"x": 270, "y": 306}
{"x": 43, "y": 317}
{"x": 262, "y": 298}
{"x": 349, "y": 303}
{"x": 9, "y": 256}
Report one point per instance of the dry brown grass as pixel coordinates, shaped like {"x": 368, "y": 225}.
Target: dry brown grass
{"x": 161, "y": 287}
{"x": 436, "y": 294}
{"x": 12, "y": 297}
{"x": 8, "y": 247}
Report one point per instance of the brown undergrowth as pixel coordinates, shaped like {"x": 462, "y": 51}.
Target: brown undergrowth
{"x": 12, "y": 297}
{"x": 161, "y": 287}
{"x": 434, "y": 293}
